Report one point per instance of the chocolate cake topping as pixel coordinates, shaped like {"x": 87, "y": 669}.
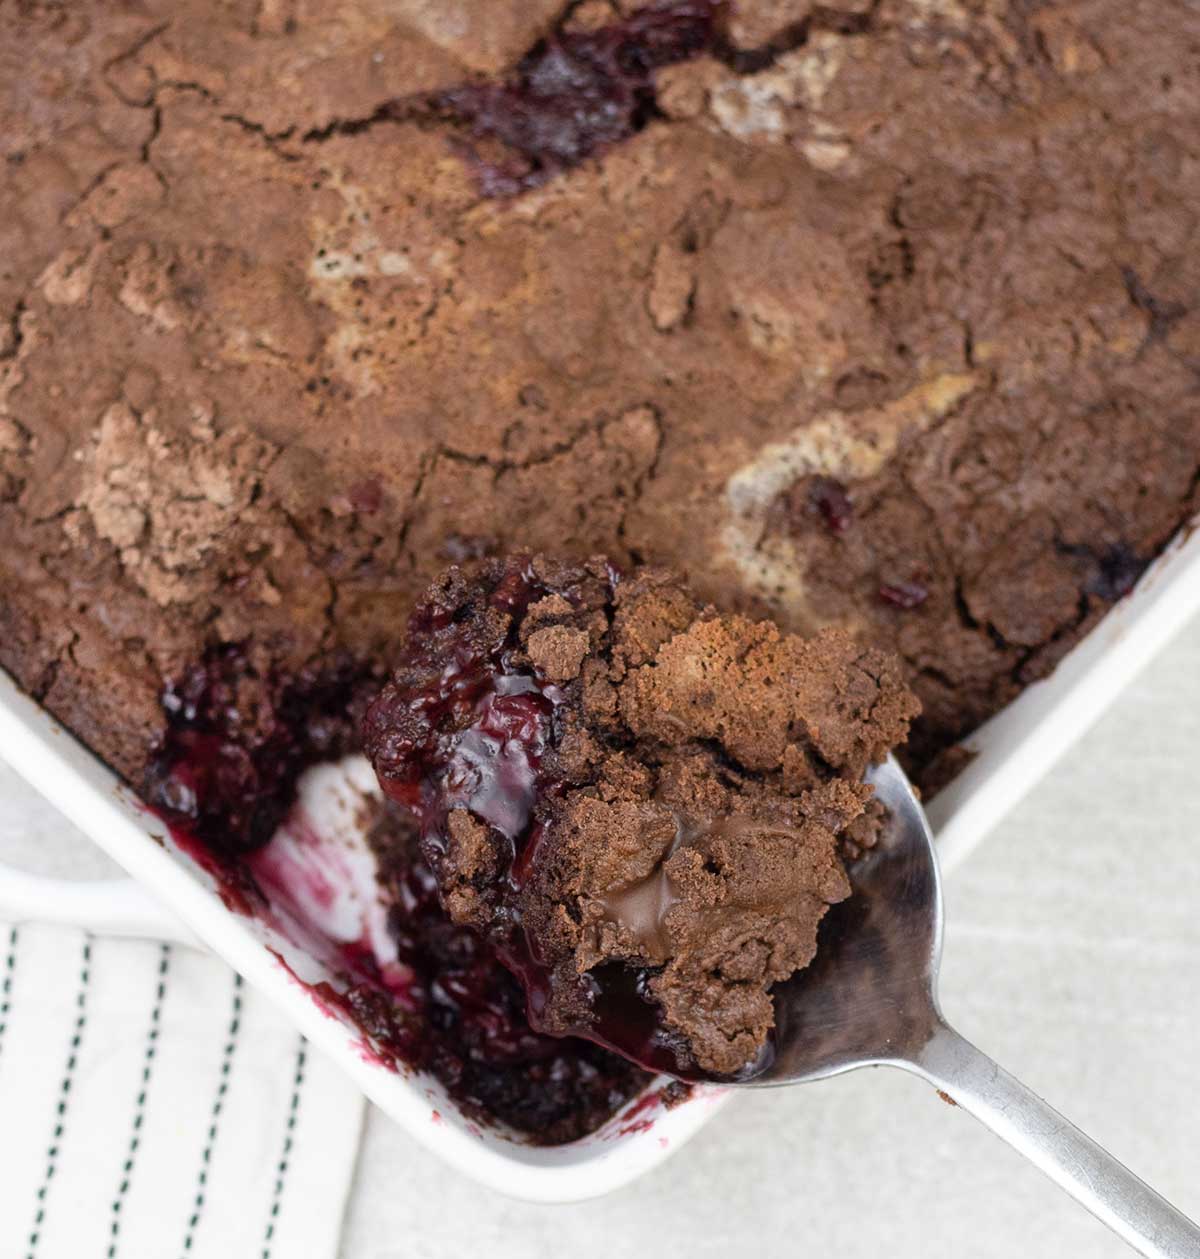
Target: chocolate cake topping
{"x": 468, "y": 1025}
{"x": 640, "y": 801}
{"x": 875, "y": 314}
{"x": 270, "y": 356}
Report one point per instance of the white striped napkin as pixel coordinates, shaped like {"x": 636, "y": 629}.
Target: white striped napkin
{"x": 153, "y": 1107}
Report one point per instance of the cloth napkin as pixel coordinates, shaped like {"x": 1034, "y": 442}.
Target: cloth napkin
{"x": 154, "y": 1107}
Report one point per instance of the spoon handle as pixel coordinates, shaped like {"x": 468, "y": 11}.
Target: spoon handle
{"x": 1108, "y": 1189}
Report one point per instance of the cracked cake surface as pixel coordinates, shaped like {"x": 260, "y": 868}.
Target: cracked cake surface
{"x": 641, "y": 803}
{"x": 878, "y": 314}
{"x": 874, "y": 314}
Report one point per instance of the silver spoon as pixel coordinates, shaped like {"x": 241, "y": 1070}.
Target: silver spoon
{"x": 870, "y": 999}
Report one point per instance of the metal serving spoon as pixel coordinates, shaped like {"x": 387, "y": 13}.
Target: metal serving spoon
{"x": 870, "y": 999}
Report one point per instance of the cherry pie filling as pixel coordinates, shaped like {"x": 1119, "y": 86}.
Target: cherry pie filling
{"x": 224, "y": 779}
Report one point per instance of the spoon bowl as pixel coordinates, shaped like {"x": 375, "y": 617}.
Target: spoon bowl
{"x": 869, "y": 995}
{"x": 870, "y": 999}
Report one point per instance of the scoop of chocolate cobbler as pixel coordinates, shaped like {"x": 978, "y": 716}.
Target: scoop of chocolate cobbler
{"x": 645, "y": 804}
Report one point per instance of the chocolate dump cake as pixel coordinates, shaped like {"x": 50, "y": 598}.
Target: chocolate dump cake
{"x": 878, "y": 314}
{"x": 641, "y": 803}
{"x": 466, "y": 1020}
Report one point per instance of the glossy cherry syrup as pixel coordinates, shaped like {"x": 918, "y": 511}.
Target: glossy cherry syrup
{"x": 575, "y": 94}
{"x": 465, "y": 724}
{"x": 436, "y": 996}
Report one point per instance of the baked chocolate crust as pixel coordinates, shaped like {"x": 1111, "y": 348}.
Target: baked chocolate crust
{"x": 641, "y": 803}
{"x": 270, "y": 353}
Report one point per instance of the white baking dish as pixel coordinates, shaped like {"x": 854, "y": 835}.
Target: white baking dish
{"x": 1013, "y": 751}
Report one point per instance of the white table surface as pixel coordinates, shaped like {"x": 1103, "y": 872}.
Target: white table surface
{"x": 1072, "y": 955}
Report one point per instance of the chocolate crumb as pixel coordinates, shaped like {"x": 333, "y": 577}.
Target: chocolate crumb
{"x": 651, "y": 831}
